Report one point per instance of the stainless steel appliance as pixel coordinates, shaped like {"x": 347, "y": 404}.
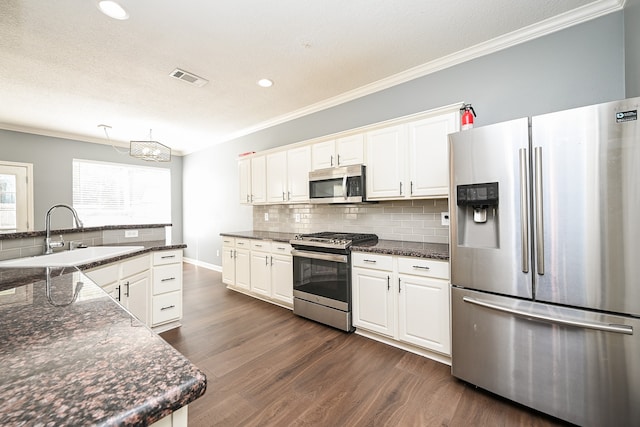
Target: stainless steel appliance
{"x": 544, "y": 256}
{"x": 338, "y": 185}
{"x": 322, "y": 276}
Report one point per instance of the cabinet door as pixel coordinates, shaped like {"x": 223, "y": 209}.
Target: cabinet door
{"x": 424, "y": 313}
{"x": 373, "y": 301}
{"x": 135, "y": 295}
{"x": 298, "y": 166}
{"x": 277, "y": 177}
{"x": 260, "y": 273}
{"x": 282, "y": 278}
{"x": 243, "y": 269}
{"x": 258, "y": 180}
{"x": 244, "y": 171}
{"x": 228, "y": 266}
{"x": 350, "y": 150}
{"x": 385, "y": 163}
{"x": 429, "y": 155}
{"x": 323, "y": 155}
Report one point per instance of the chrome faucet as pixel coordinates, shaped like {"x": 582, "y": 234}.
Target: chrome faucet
{"x": 48, "y": 244}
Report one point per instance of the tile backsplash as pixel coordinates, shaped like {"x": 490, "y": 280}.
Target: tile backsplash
{"x": 408, "y": 220}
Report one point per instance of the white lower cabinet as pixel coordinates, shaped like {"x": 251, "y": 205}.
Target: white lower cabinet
{"x": 149, "y": 286}
{"x": 405, "y": 299}
{"x": 260, "y": 268}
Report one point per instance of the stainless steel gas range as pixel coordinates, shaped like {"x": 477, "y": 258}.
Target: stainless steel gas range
{"x": 322, "y": 276}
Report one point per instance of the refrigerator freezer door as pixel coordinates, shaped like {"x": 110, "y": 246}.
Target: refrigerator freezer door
{"x": 575, "y": 365}
{"x": 489, "y": 242}
{"x": 586, "y": 163}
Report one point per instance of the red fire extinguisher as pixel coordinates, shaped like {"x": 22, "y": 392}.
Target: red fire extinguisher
{"x": 467, "y": 116}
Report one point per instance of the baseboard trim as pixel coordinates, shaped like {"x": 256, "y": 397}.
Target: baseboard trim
{"x": 203, "y": 264}
{"x": 404, "y": 346}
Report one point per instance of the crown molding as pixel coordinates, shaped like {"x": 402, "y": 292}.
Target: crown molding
{"x": 559, "y": 22}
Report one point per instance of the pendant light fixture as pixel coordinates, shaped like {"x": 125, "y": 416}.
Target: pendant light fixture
{"x": 151, "y": 151}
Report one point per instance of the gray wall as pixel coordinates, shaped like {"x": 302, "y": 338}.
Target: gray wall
{"x": 53, "y": 176}
{"x": 578, "y": 66}
{"x": 632, "y": 47}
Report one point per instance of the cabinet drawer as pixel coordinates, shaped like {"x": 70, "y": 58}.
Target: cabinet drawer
{"x": 167, "y": 278}
{"x": 368, "y": 260}
{"x": 280, "y": 248}
{"x": 243, "y": 243}
{"x": 135, "y": 265}
{"x": 167, "y": 257}
{"x": 424, "y": 267}
{"x": 260, "y": 245}
{"x": 228, "y": 241}
{"x": 166, "y": 307}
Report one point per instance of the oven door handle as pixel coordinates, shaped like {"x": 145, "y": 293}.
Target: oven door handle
{"x": 320, "y": 255}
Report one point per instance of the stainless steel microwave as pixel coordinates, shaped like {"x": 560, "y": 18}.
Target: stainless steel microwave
{"x": 338, "y": 185}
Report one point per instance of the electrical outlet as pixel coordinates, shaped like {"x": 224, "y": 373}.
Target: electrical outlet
{"x": 130, "y": 233}
{"x": 217, "y": 252}
{"x": 266, "y": 216}
{"x": 444, "y": 218}
{"x": 297, "y": 217}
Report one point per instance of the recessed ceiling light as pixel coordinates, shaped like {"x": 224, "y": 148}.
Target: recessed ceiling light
{"x": 113, "y": 10}
{"x": 265, "y": 83}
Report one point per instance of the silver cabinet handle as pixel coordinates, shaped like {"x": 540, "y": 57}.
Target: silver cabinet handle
{"x": 421, "y": 267}
{"x": 126, "y": 294}
{"x": 524, "y": 211}
{"x": 258, "y": 245}
{"x": 539, "y": 211}
{"x": 167, "y": 307}
{"x": 320, "y": 256}
{"x": 388, "y": 283}
{"x": 338, "y": 159}
{"x": 604, "y": 327}
{"x": 168, "y": 279}
{"x": 283, "y": 199}
{"x": 401, "y": 188}
{"x": 266, "y": 260}
{"x": 410, "y": 188}
{"x": 272, "y": 261}
{"x": 168, "y": 256}
{"x": 399, "y": 285}
{"x": 247, "y": 198}
{"x": 288, "y": 195}
{"x": 344, "y": 187}
{"x": 331, "y": 160}
{"x": 370, "y": 261}
{"x": 119, "y": 295}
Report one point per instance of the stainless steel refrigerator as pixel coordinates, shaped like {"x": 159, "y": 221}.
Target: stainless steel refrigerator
{"x": 545, "y": 261}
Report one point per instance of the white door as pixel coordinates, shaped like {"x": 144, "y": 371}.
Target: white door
{"x": 282, "y": 278}
{"x": 385, "y": 163}
{"x": 258, "y": 179}
{"x": 298, "y": 166}
{"x": 134, "y": 293}
{"x": 277, "y": 177}
{"x": 323, "y": 155}
{"x": 260, "y": 273}
{"x": 373, "y": 305}
{"x": 350, "y": 150}
{"x": 424, "y": 313}
{"x": 228, "y": 266}
{"x": 244, "y": 171}
{"x": 16, "y": 196}
{"x": 243, "y": 269}
{"x": 429, "y": 155}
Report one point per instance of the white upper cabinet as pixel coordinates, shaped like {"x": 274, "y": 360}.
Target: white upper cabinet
{"x": 429, "y": 155}
{"x": 258, "y": 179}
{"x": 298, "y": 166}
{"x": 277, "y": 177}
{"x": 410, "y": 160}
{"x": 385, "y": 162}
{"x": 344, "y": 151}
{"x": 244, "y": 170}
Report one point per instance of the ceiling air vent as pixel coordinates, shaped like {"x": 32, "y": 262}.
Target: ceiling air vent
{"x": 188, "y": 77}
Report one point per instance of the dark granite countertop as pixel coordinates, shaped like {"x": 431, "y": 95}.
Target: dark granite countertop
{"x": 70, "y": 356}
{"x": 262, "y": 235}
{"x": 37, "y": 233}
{"x": 411, "y": 249}
{"x": 150, "y": 246}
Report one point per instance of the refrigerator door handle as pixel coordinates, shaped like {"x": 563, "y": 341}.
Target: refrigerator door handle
{"x": 524, "y": 211}
{"x": 537, "y": 153}
{"x": 604, "y": 327}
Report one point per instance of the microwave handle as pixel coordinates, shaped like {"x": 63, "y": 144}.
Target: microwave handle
{"x": 344, "y": 187}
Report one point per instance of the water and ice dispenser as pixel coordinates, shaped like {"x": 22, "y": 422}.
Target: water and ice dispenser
{"x": 478, "y": 219}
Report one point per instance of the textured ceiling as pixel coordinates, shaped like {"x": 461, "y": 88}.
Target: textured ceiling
{"x": 65, "y": 67}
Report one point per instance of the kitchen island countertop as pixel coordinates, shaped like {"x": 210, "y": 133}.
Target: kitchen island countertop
{"x": 70, "y": 355}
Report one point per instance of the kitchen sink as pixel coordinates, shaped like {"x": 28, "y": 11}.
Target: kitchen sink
{"x": 71, "y": 258}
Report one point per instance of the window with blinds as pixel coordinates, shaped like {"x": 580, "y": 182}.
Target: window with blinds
{"x": 120, "y": 194}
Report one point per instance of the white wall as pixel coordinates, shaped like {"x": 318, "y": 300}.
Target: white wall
{"x": 578, "y": 66}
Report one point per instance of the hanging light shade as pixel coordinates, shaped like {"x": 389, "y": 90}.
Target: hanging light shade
{"x": 151, "y": 151}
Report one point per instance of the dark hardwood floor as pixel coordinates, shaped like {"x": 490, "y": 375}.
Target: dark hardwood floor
{"x": 268, "y": 367}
